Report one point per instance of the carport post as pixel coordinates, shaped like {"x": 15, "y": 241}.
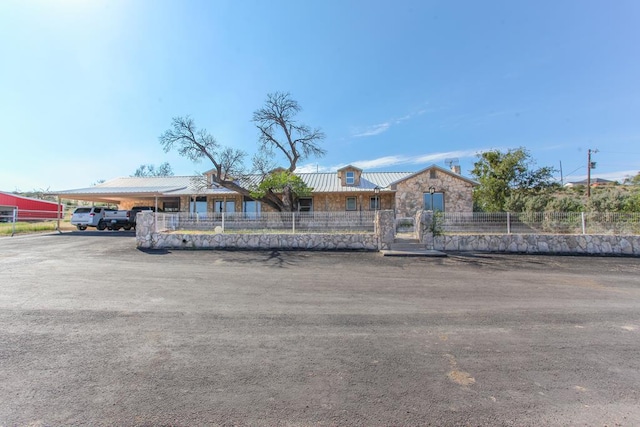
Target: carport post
{"x": 15, "y": 217}
{"x": 59, "y": 214}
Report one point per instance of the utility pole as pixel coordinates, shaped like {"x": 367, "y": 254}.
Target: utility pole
{"x": 561, "y": 178}
{"x": 589, "y": 167}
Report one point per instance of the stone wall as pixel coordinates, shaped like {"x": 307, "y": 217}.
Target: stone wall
{"x": 381, "y": 239}
{"x": 306, "y": 241}
{"x": 579, "y": 244}
{"x": 458, "y": 193}
{"x": 149, "y": 238}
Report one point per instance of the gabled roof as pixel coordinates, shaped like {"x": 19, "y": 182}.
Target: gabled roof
{"x": 325, "y": 182}
{"x": 329, "y": 182}
{"x": 349, "y": 167}
{"x": 441, "y": 169}
{"x": 7, "y": 195}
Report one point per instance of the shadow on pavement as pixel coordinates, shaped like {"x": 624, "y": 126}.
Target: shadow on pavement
{"x": 154, "y": 251}
{"x": 96, "y": 233}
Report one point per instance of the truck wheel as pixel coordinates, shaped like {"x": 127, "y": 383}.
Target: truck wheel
{"x": 101, "y": 225}
{"x": 116, "y": 228}
{"x": 109, "y": 227}
{"x": 127, "y": 227}
{"x": 81, "y": 227}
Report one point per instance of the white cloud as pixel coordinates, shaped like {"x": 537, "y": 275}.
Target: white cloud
{"x": 389, "y": 161}
{"x": 383, "y": 127}
{"x": 435, "y": 157}
{"x": 314, "y": 167}
{"x": 373, "y": 130}
{"x": 381, "y": 162}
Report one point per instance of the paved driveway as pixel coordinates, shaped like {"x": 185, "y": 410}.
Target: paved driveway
{"x": 96, "y": 332}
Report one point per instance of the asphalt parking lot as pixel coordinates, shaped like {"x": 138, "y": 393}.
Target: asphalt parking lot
{"x": 95, "y": 332}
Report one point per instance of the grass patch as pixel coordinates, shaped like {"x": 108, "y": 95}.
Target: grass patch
{"x": 7, "y": 229}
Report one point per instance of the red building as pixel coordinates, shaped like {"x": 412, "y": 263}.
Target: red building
{"x": 28, "y": 209}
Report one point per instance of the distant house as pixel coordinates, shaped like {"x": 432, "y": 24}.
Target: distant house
{"x": 595, "y": 182}
{"x": 348, "y": 189}
{"x": 28, "y": 209}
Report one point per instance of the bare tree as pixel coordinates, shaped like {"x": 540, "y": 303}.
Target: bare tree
{"x": 278, "y": 131}
{"x": 197, "y": 144}
{"x": 150, "y": 170}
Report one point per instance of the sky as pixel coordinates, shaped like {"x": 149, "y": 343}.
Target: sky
{"x": 88, "y": 86}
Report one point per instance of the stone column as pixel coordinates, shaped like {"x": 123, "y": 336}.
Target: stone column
{"x": 418, "y": 225}
{"x": 385, "y": 228}
{"x": 426, "y": 219}
{"x": 145, "y": 228}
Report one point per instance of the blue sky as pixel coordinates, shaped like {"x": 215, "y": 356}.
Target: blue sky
{"x": 86, "y": 87}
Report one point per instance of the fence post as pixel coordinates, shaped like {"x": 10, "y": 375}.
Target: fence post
{"x": 14, "y": 219}
{"x": 293, "y": 221}
{"x": 223, "y": 221}
{"x": 584, "y": 223}
{"x": 508, "y": 222}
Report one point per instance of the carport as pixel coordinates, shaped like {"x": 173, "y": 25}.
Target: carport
{"x": 146, "y": 190}
{"x": 149, "y": 191}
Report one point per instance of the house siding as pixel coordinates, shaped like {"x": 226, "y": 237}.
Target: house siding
{"x": 458, "y": 193}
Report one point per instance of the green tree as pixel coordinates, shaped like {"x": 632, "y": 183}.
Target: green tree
{"x": 633, "y": 180}
{"x": 282, "y": 182}
{"x": 150, "y": 170}
{"x": 501, "y": 175}
{"x": 281, "y": 135}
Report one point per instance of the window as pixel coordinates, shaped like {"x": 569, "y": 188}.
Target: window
{"x": 374, "y": 203}
{"x": 438, "y": 202}
{"x": 199, "y": 206}
{"x": 305, "y": 204}
{"x": 351, "y": 204}
{"x": 221, "y": 206}
{"x": 251, "y": 208}
{"x": 432, "y": 174}
{"x": 171, "y": 205}
{"x": 350, "y": 178}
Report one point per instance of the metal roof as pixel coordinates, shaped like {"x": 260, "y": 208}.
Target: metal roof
{"x": 325, "y": 182}
{"x": 329, "y": 182}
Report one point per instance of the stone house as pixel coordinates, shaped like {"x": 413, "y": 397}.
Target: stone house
{"x": 348, "y": 189}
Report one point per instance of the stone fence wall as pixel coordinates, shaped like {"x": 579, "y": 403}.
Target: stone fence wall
{"x": 149, "y": 238}
{"x": 579, "y": 244}
{"x": 593, "y": 244}
{"x": 383, "y": 237}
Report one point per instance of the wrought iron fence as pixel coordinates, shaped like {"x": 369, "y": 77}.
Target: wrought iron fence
{"x": 269, "y": 222}
{"x": 540, "y": 222}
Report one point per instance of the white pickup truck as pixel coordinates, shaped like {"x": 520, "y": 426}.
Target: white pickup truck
{"x": 117, "y": 219}
{"x": 84, "y": 217}
{"x": 101, "y": 218}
